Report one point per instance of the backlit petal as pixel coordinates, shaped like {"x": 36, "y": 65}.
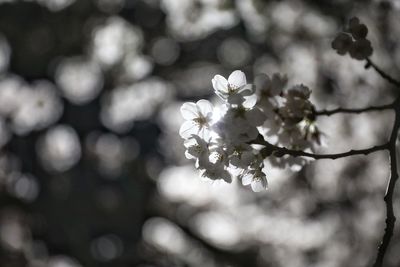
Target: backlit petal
{"x": 220, "y": 83}
{"x": 259, "y": 185}
{"x": 247, "y": 179}
{"x": 205, "y": 107}
{"x": 188, "y": 128}
{"x": 189, "y": 111}
{"x": 250, "y": 101}
{"x": 237, "y": 78}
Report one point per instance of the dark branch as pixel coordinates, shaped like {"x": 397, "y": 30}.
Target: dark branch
{"x": 390, "y": 218}
{"x": 354, "y": 110}
{"x": 282, "y": 151}
{"x": 297, "y": 153}
{"x": 383, "y": 74}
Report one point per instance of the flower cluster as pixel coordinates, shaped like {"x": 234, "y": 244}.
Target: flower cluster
{"x": 291, "y": 119}
{"x": 230, "y": 140}
{"x": 354, "y": 41}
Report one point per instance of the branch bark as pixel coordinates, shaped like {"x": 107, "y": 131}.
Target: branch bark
{"x": 390, "y": 217}
{"x": 326, "y": 112}
{"x": 277, "y": 151}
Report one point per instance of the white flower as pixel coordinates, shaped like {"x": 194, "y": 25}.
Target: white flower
{"x": 224, "y": 141}
{"x": 196, "y": 148}
{"x": 244, "y": 118}
{"x": 299, "y": 91}
{"x": 235, "y": 130}
{"x": 296, "y": 164}
{"x": 270, "y": 87}
{"x": 239, "y": 124}
{"x": 198, "y": 117}
{"x": 242, "y": 156}
{"x": 235, "y": 89}
{"x": 296, "y": 106}
{"x": 271, "y": 128}
{"x": 216, "y": 171}
{"x": 256, "y": 179}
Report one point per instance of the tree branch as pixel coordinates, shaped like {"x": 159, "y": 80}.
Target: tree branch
{"x": 383, "y": 74}
{"x": 325, "y": 112}
{"x": 270, "y": 149}
{"x": 390, "y": 217}
{"x": 277, "y": 151}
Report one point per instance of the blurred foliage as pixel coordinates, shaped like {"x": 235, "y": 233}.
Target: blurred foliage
{"x": 92, "y": 171}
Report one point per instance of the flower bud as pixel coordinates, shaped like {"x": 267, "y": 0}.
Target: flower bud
{"x": 353, "y": 22}
{"x": 342, "y": 43}
{"x": 359, "y": 31}
{"x": 361, "y": 49}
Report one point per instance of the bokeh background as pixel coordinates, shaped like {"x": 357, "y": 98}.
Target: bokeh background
{"x": 92, "y": 170}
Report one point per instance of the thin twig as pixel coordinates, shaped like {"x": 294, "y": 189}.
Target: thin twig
{"x": 383, "y": 74}
{"x": 353, "y": 152}
{"x": 326, "y": 112}
{"x": 282, "y": 151}
{"x": 390, "y": 217}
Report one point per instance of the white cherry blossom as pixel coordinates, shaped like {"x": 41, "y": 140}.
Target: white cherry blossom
{"x": 242, "y": 156}
{"x": 198, "y": 118}
{"x": 256, "y": 179}
{"x": 299, "y": 91}
{"x": 197, "y": 149}
{"x": 234, "y": 90}
{"x": 224, "y": 141}
{"x": 235, "y": 130}
{"x": 216, "y": 171}
{"x": 270, "y": 87}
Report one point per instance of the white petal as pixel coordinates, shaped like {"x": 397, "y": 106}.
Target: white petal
{"x": 296, "y": 164}
{"x": 204, "y": 133}
{"x": 259, "y": 185}
{"x": 235, "y": 171}
{"x": 189, "y": 156}
{"x": 250, "y": 101}
{"x": 296, "y": 167}
{"x": 247, "y": 89}
{"x": 237, "y": 78}
{"x": 188, "y": 128}
{"x": 189, "y": 111}
{"x": 205, "y": 107}
{"x": 220, "y": 83}
{"x": 247, "y": 179}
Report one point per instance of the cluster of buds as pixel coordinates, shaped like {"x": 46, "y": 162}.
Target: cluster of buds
{"x": 227, "y": 141}
{"x": 353, "y": 41}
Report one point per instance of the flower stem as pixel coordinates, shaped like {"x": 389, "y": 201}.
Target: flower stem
{"x": 383, "y": 74}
